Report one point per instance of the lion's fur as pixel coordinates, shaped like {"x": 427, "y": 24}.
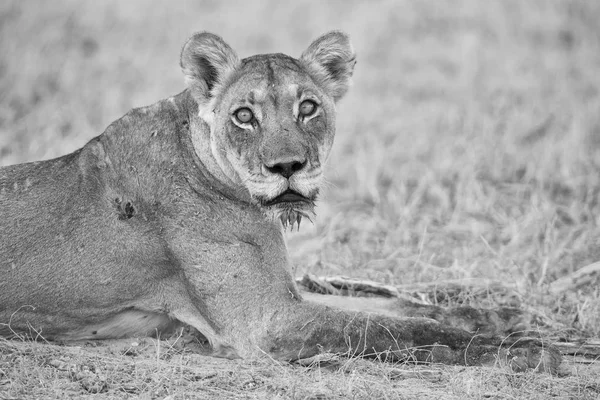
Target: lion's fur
{"x": 167, "y": 219}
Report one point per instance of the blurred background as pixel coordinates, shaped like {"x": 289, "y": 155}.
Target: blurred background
{"x": 469, "y": 146}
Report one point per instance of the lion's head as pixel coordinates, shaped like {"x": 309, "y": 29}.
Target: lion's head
{"x": 270, "y": 118}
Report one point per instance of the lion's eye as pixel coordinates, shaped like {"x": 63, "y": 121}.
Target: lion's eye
{"x": 244, "y": 115}
{"x": 307, "y": 108}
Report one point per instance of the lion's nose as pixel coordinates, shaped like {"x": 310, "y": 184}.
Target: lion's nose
{"x": 286, "y": 169}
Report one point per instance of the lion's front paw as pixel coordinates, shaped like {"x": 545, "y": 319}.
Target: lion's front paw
{"x": 529, "y": 353}
{"x": 519, "y": 354}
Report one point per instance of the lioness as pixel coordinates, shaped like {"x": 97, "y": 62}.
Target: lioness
{"x": 175, "y": 215}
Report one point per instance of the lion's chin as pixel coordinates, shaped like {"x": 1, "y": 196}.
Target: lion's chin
{"x": 290, "y": 207}
{"x": 291, "y": 215}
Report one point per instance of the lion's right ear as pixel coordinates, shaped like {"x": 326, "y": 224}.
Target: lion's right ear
{"x": 207, "y": 61}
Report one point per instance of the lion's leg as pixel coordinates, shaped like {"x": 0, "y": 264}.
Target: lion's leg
{"x": 279, "y": 323}
{"x": 501, "y": 321}
{"x": 252, "y": 304}
{"x": 313, "y": 328}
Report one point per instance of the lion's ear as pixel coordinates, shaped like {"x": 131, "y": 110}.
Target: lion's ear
{"x": 331, "y": 59}
{"x": 206, "y": 61}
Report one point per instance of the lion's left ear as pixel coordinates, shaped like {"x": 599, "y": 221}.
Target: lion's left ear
{"x": 207, "y": 61}
{"x": 330, "y": 59}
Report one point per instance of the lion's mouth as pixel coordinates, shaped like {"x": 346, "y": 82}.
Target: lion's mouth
{"x": 290, "y": 207}
{"x": 289, "y": 196}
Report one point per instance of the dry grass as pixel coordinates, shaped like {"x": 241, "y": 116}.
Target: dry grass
{"x": 468, "y": 148}
{"x": 149, "y": 369}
